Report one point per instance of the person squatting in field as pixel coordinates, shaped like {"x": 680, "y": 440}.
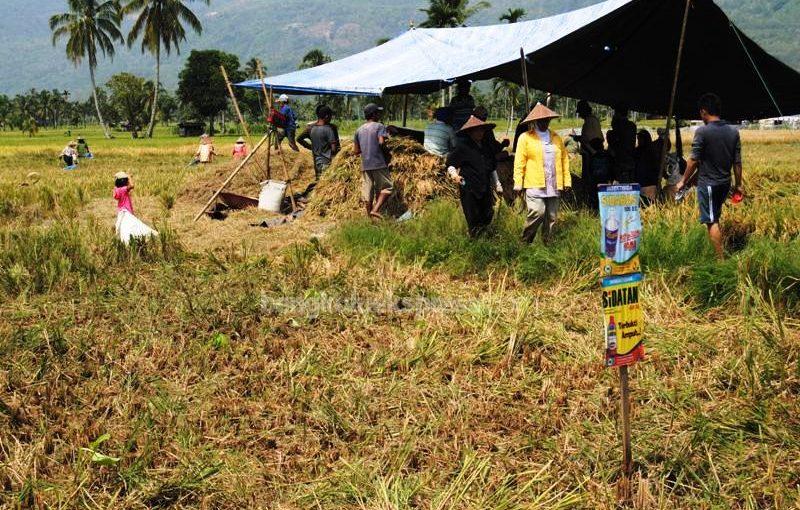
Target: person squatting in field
{"x": 541, "y": 169}
{"x": 472, "y": 165}
{"x": 716, "y": 150}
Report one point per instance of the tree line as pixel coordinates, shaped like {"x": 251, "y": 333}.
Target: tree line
{"x": 92, "y": 29}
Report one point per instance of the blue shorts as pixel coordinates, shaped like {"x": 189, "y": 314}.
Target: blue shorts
{"x": 710, "y": 200}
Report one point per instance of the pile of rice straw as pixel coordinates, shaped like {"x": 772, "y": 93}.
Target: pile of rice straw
{"x": 208, "y": 179}
{"x": 418, "y": 176}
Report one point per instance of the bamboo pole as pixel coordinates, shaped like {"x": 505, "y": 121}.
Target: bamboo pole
{"x": 624, "y": 487}
{"x": 268, "y": 105}
{"x": 670, "y": 110}
{"x": 405, "y": 109}
{"x": 236, "y": 105}
{"x": 231, "y": 176}
{"x": 524, "y": 66}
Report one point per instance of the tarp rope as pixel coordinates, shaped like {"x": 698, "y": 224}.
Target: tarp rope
{"x": 755, "y": 68}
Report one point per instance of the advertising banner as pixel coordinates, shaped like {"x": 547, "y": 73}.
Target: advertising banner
{"x": 623, "y": 319}
{"x": 621, "y": 229}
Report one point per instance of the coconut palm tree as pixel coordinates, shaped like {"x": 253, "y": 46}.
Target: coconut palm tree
{"x": 512, "y": 15}
{"x": 314, "y": 58}
{"x": 450, "y": 13}
{"x": 160, "y": 23}
{"x": 89, "y": 26}
{"x": 252, "y": 66}
{"x": 510, "y": 92}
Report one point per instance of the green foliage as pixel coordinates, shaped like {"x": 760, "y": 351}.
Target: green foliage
{"x": 451, "y": 13}
{"x": 130, "y": 96}
{"x": 201, "y": 82}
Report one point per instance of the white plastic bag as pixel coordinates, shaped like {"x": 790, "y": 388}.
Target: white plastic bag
{"x": 129, "y": 226}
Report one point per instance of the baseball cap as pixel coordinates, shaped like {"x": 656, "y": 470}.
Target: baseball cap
{"x": 371, "y": 109}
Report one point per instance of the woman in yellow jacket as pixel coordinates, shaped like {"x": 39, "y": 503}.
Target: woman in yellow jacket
{"x": 541, "y": 168}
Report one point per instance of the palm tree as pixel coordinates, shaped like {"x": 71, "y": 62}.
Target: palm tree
{"x": 252, "y": 66}
{"x": 160, "y": 23}
{"x": 513, "y": 15}
{"x": 314, "y": 58}
{"x": 511, "y": 91}
{"x": 89, "y": 26}
{"x": 450, "y": 13}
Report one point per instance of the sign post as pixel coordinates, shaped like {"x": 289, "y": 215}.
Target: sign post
{"x": 623, "y": 322}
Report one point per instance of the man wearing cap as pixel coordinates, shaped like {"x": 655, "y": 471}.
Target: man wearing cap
{"x": 716, "y": 150}
{"x": 541, "y": 168}
{"x": 290, "y": 129}
{"x": 322, "y": 139}
{"x": 369, "y": 141}
{"x": 472, "y": 165}
{"x": 440, "y": 137}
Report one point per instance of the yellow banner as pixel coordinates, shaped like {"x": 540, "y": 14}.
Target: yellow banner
{"x": 623, "y": 319}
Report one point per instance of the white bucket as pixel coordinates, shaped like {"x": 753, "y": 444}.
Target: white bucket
{"x": 271, "y": 196}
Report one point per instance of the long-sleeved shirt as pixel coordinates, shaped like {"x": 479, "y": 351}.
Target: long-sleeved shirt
{"x": 440, "y": 138}
{"x": 476, "y": 164}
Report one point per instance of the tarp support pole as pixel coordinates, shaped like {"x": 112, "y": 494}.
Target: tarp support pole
{"x": 524, "y": 66}
{"x": 663, "y": 161}
{"x": 231, "y": 176}
{"x": 405, "y": 109}
{"x": 268, "y": 105}
{"x": 236, "y": 105}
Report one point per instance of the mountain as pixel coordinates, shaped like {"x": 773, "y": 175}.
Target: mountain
{"x": 281, "y": 32}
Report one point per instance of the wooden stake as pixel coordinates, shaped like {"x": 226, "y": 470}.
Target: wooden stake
{"x": 663, "y": 162}
{"x": 524, "y": 65}
{"x": 624, "y": 486}
{"x": 236, "y": 105}
{"x": 231, "y": 176}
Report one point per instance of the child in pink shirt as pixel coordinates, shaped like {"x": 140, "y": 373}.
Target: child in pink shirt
{"x": 122, "y": 192}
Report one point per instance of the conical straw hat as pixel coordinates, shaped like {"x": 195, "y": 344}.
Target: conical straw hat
{"x": 540, "y": 112}
{"x": 474, "y": 122}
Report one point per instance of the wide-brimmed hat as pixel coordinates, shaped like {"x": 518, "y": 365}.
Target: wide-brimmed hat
{"x": 121, "y": 175}
{"x": 283, "y": 98}
{"x": 240, "y": 140}
{"x": 540, "y": 112}
{"x": 72, "y": 144}
{"x": 474, "y": 122}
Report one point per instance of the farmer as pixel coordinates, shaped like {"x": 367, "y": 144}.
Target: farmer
{"x": 322, "y": 139}
{"x": 440, "y": 137}
{"x": 541, "y": 168}
{"x": 646, "y": 164}
{"x": 239, "y": 149}
{"x": 716, "y": 150}
{"x": 369, "y": 141}
{"x": 590, "y": 131}
{"x": 128, "y": 226}
{"x": 83, "y": 148}
{"x": 70, "y": 155}
{"x": 205, "y": 152}
{"x": 498, "y": 149}
{"x": 623, "y": 146}
{"x": 462, "y": 103}
{"x": 600, "y": 171}
{"x": 472, "y": 165}
{"x": 290, "y": 129}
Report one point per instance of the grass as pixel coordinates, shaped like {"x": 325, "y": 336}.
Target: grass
{"x": 381, "y": 366}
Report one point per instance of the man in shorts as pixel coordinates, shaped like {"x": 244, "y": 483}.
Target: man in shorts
{"x": 716, "y": 150}
{"x": 369, "y": 142}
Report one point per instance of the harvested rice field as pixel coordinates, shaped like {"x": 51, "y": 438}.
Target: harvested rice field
{"x": 338, "y": 363}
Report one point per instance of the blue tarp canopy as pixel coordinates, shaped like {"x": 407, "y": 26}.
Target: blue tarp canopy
{"x": 614, "y": 52}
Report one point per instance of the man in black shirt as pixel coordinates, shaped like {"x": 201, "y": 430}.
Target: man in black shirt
{"x": 472, "y": 165}
{"x": 716, "y": 150}
{"x": 322, "y": 139}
